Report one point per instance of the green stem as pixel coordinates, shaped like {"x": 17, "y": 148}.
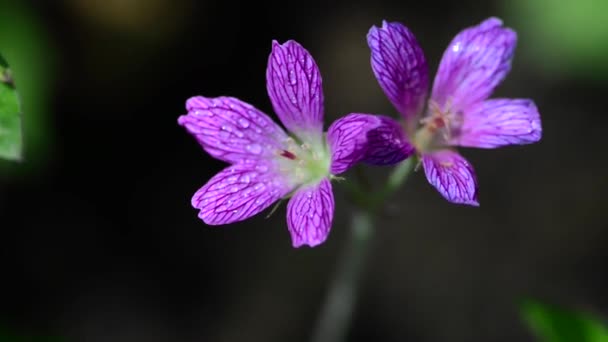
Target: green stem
{"x": 395, "y": 180}
{"x": 337, "y": 311}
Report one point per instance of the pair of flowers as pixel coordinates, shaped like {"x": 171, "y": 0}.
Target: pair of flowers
{"x": 268, "y": 164}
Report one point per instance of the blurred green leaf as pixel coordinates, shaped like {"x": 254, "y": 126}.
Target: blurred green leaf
{"x": 563, "y": 37}
{"x": 554, "y": 324}
{"x": 24, "y": 43}
{"x": 11, "y": 139}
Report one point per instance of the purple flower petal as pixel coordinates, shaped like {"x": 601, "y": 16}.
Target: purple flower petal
{"x": 499, "y": 122}
{"x": 387, "y": 144}
{"x": 475, "y": 62}
{"x": 232, "y": 130}
{"x": 452, "y": 176}
{"x": 294, "y": 85}
{"x": 376, "y": 139}
{"x": 400, "y": 67}
{"x": 239, "y": 192}
{"x": 309, "y": 214}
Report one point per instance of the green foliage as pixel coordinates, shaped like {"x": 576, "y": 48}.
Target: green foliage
{"x": 553, "y": 324}
{"x": 11, "y": 139}
{"x": 24, "y": 43}
{"x": 563, "y": 37}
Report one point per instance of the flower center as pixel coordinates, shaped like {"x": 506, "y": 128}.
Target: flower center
{"x": 306, "y": 163}
{"x": 438, "y": 127}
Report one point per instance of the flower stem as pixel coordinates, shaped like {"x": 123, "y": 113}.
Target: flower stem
{"x": 335, "y": 317}
{"x": 337, "y": 310}
{"x": 395, "y": 181}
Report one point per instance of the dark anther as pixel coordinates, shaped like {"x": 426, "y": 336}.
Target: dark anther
{"x": 288, "y": 155}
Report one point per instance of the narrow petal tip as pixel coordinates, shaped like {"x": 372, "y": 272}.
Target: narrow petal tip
{"x": 181, "y": 120}
{"x": 294, "y": 85}
{"x": 500, "y": 122}
{"x": 239, "y": 192}
{"x": 400, "y": 67}
{"x": 232, "y": 130}
{"x": 474, "y": 64}
{"x": 491, "y": 22}
{"x": 452, "y": 175}
{"x": 310, "y": 214}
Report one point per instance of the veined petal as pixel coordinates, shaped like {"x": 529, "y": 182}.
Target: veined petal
{"x": 475, "y": 62}
{"x": 375, "y": 139}
{"x": 387, "y": 144}
{"x": 452, "y": 176}
{"x": 295, "y": 88}
{"x": 232, "y": 130}
{"x": 499, "y": 122}
{"x": 400, "y": 67}
{"x": 310, "y": 213}
{"x": 239, "y": 192}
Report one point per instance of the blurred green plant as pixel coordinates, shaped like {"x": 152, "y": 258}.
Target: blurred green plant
{"x": 564, "y": 37}
{"x": 25, "y": 44}
{"x": 553, "y": 324}
{"x": 11, "y": 142}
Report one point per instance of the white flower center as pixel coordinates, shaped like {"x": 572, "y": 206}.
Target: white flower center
{"x": 438, "y": 127}
{"x": 305, "y": 163}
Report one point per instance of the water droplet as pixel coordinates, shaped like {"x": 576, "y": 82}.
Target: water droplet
{"x": 259, "y": 119}
{"x": 293, "y": 99}
{"x": 254, "y": 148}
{"x": 234, "y": 189}
{"x": 245, "y": 178}
{"x": 243, "y": 122}
{"x": 308, "y": 63}
{"x": 258, "y": 187}
{"x": 261, "y": 168}
{"x": 292, "y": 77}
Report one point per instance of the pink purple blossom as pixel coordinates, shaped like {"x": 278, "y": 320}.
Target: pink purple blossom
{"x": 268, "y": 164}
{"x": 458, "y": 111}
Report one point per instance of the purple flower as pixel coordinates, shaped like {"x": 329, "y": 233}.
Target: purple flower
{"x": 458, "y": 112}
{"x": 267, "y": 164}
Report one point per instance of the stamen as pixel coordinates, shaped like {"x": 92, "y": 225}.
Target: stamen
{"x": 440, "y": 119}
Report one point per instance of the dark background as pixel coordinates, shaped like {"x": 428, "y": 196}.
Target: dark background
{"x": 99, "y": 242}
